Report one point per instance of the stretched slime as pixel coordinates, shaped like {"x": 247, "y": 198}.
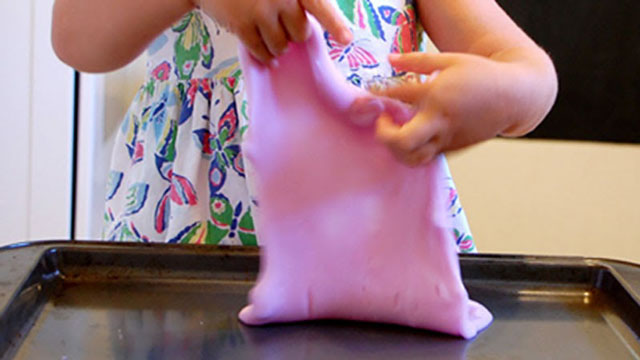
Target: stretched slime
{"x": 347, "y": 232}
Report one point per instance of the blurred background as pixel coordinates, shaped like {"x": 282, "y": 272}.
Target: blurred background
{"x": 571, "y": 188}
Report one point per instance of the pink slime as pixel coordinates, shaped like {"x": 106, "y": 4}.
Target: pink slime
{"x": 347, "y": 232}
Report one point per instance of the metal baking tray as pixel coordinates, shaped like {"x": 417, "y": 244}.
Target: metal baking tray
{"x": 71, "y": 300}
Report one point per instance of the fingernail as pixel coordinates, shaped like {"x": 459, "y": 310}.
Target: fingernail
{"x": 394, "y": 57}
{"x": 346, "y": 36}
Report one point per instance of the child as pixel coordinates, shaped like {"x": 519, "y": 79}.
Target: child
{"x": 177, "y": 169}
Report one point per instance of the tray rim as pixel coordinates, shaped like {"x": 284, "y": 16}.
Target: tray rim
{"x": 254, "y": 250}
{"x": 41, "y": 250}
{"x": 611, "y": 265}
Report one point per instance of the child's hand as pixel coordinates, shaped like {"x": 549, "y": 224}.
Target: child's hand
{"x": 467, "y": 99}
{"x": 267, "y": 26}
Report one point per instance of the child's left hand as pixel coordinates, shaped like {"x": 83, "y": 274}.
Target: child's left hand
{"x": 468, "y": 99}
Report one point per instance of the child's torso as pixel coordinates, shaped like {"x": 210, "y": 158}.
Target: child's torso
{"x": 197, "y": 47}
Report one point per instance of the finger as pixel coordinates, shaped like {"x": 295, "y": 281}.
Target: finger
{"x": 423, "y": 63}
{"x": 273, "y": 35}
{"x": 295, "y": 23}
{"x": 387, "y": 131}
{"x": 410, "y": 93}
{"x": 422, "y": 155}
{"x": 407, "y": 138}
{"x": 386, "y": 128}
{"x": 365, "y": 110}
{"x": 253, "y": 41}
{"x": 329, "y": 19}
{"x": 420, "y": 130}
{"x": 399, "y": 111}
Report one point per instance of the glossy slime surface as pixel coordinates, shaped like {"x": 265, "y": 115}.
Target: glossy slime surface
{"x": 347, "y": 232}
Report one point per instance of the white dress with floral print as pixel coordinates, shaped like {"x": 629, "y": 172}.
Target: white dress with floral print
{"x": 177, "y": 173}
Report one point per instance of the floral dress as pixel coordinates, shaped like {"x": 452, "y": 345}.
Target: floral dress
{"x": 177, "y": 173}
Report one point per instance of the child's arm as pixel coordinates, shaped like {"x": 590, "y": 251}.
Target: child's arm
{"x": 98, "y": 36}
{"x": 492, "y": 79}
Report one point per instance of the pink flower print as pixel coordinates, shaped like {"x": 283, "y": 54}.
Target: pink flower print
{"x": 138, "y": 152}
{"x": 162, "y": 71}
{"x": 206, "y": 86}
{"x": 188, "y": 65}
{"x": 192, "y": 90}
{"x": 218, "y": 206}
{"x": 464, "y": 241}
{"x": 453, "y": 197}
{"x": 466, "y": 244}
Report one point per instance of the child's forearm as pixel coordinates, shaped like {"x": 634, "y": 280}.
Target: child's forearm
{"x": 535, "y": 89}
{"x": 99, "y": 36}
{"x": 482, "y": 28}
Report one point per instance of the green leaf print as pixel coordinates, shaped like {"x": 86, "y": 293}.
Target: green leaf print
{"x": 188, "y": 47}
{"x": 244, "y": 111}
{"x": 348, "y": 8}
{"x": 222, "y": 135}
{"x": 231, "y": 152}
{"x": 187, "y": 56}
{"x": 221, "y": 216}
{"x": 207, "y": 54}
{"x": 215, "y": 234}
{"x": 192, "y": 45}
{"x": 171, "y": 147}
{"x": 181, "y": 91}
{"x": 126, "y": 234}
{"x": 248, "y": 239}
{"x": 182, "y": 24}
{"x": 222, "y": 165}
{"x": 246, "y": 230}
{"x": 150, "y": 87}
{"x": 373, "y": 20}
{"x": 204, "y": 233}
{"x": 231, "y": 82}
{"x": 192, "y": 235}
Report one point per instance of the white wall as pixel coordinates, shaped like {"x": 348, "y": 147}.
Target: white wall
{"x": 104, "y": 100}
{"x": 552, "y": 197}
{"x": 36, "y": 97}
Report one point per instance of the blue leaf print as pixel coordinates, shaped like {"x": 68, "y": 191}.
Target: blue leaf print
{"x": 136, "y": 198}
{"x": 217, "y": 175}
{"x": 114, "y": 180}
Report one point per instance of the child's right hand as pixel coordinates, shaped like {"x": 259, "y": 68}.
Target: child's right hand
{"x": 266, "y": 27}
